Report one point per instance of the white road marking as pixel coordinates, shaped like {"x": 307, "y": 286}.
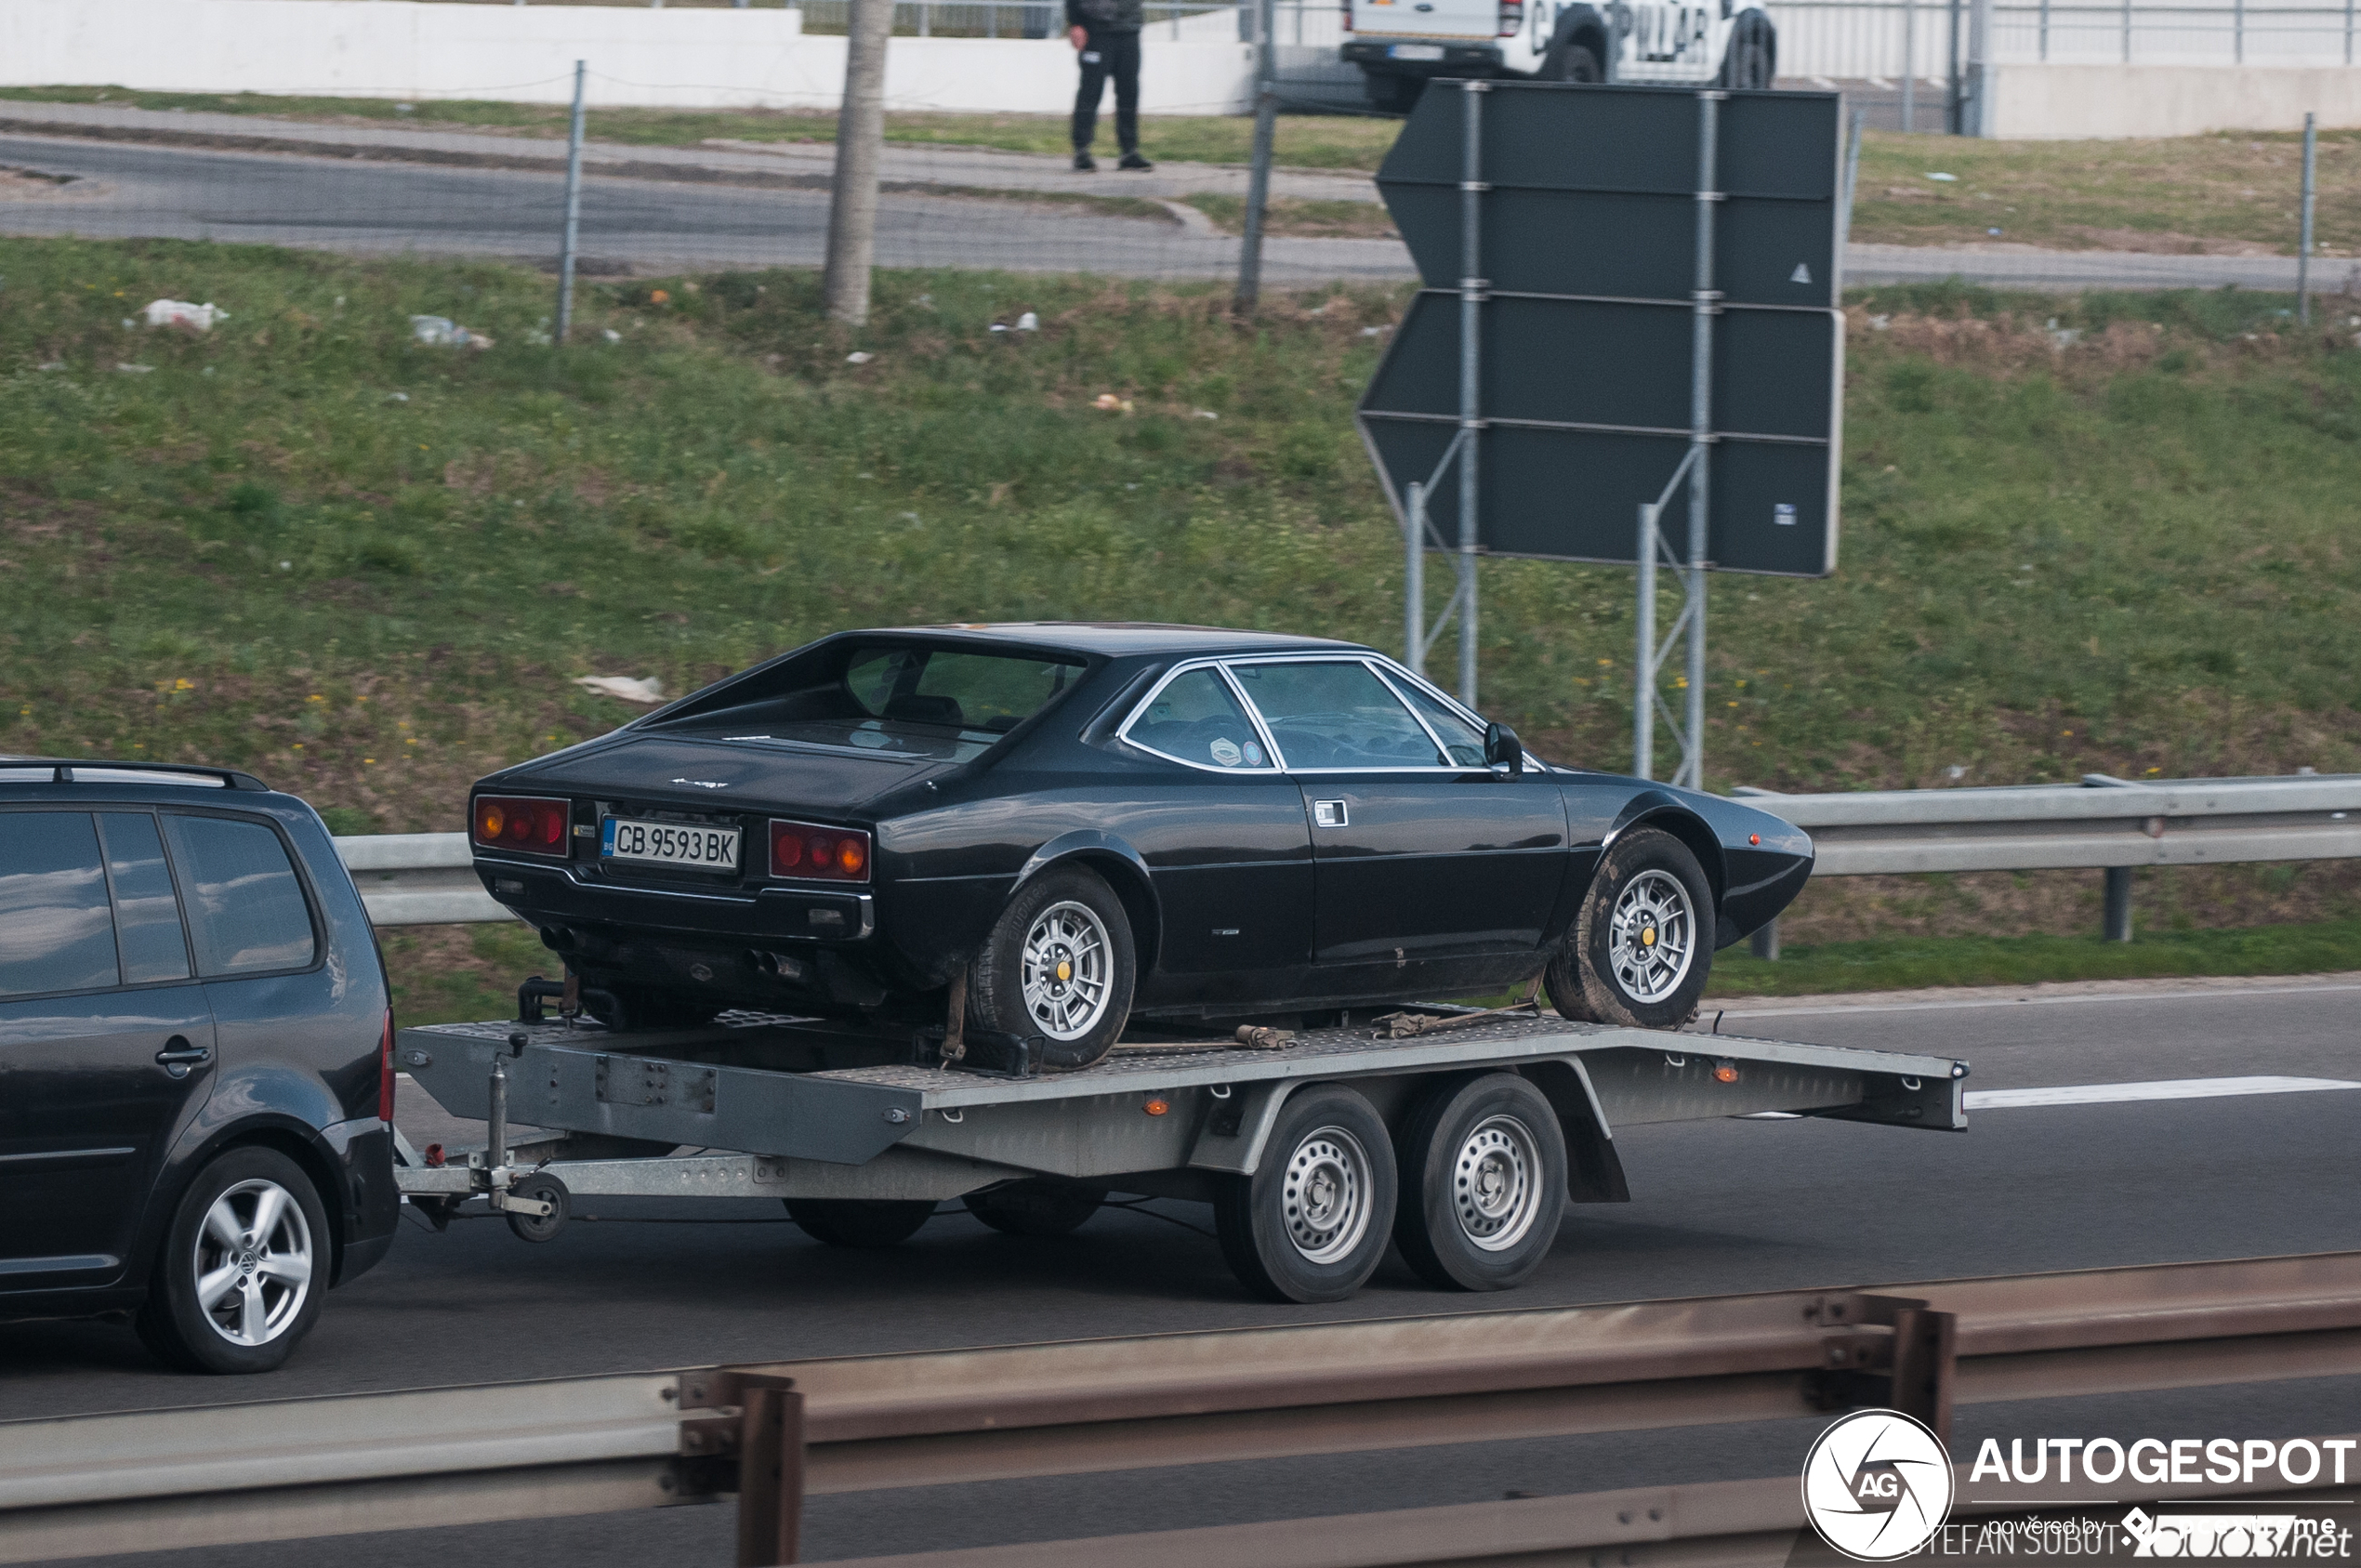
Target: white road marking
{"x": 2010, "y": 998}
{"x": 2162, "y": 1088}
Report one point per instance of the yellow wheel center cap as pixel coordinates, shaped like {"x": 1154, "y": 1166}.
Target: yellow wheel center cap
{"x": 1647, "y": 936}
{"x": 1066, "y": 970}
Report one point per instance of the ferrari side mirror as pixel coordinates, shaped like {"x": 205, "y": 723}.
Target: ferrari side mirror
{"x": 1503, "y": 753}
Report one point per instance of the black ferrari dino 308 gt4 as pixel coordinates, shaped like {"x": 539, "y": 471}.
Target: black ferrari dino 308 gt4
{"x": 1068, "y": 827}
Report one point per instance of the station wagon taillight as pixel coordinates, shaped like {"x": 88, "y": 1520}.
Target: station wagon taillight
{"x": 826, "y": 854}
{"x": 1511, "y": 18}
{"x": 385, "y": 1071}
{"x": 528, "y": 822}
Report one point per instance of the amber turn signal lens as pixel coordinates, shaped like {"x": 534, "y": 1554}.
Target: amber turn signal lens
{"x": 1726, "y": 1072}
{"x": 1155, "y": 1107}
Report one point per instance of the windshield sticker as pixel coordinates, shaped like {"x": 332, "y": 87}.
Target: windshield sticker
{"x": 1225, "y": 751}
{"x": 1254, "y": 754}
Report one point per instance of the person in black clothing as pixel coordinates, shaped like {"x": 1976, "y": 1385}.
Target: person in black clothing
{"x": 1106, "y": 34}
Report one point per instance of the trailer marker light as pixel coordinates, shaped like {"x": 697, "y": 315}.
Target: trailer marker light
{"x": 1754, "y": 838}
{"x": 1726, "y": 1072}
{"x": 1155, "y": 1107}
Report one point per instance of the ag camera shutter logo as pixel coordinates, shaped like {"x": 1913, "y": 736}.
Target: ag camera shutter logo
{"x": 1876, "y": 1485}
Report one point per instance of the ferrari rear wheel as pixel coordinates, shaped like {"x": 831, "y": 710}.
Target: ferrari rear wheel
{"x": 1058, "y": 966}
{"x": 1642, "y": 947}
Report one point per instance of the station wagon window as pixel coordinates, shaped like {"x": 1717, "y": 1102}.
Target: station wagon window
{"x": 56, "y": 931}
{"x": 1460, "y": 739}
{"x": 1336, "y": 715}
{"x": 146, "y": 914}
{"x": 1195, "y": 719}
{"x": 246, "y": 910}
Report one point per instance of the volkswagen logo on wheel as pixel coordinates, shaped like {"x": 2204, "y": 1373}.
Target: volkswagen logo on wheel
{"x": 1876, "y": 1485}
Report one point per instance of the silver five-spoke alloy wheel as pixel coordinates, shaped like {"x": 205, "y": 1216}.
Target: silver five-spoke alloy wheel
{"x": 1495, "y": 1186}
{"x": 254, "y": 1262}
{"x": 1068, "y": 970}
{"x": 1327, "y": 1195}
{"x": 1655, "y": 935}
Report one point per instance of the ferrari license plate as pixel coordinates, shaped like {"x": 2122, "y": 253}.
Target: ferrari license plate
{"x": 707, "y": 849}
{"x": 1415, "y": 51}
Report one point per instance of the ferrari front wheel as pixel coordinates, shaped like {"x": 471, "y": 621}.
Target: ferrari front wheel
{"x": 1642, "y": 946}
{"x": 1058, "y": 966}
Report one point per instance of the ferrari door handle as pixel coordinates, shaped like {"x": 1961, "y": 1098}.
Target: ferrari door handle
{"x": 179, "y": 1056}
{"x": 1327, "y": 813}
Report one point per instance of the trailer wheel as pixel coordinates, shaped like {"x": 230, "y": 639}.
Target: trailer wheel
{"x": 540, "y": 1227}
{"x": 1642, "y": 948}
{"x": 1035, "y": 1208}
{"x": 866, "y": 1223}
{"x": 1058, "y": 966}
{"x": 1314, "y": 1219}
{"x": 1486, "y": 1165}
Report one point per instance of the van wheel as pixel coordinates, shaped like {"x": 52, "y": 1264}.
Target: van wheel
{"x": 1642, "y": 948}
{"x": 863, "y": 1224}
{"x": 244, "y": 1268}
{"x": 1058, "y": 967}
{"x": 1314, "y": 1219}
{"x": 1035, "y": 1208}
{"x": 1485, "y": 1164}
{"x": 1579, "y": 64}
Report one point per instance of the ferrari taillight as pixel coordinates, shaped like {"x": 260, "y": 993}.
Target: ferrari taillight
{"x": 385, "y": 1071}
{"x": 528, "y": 822}
{"x": 826, "y": 854}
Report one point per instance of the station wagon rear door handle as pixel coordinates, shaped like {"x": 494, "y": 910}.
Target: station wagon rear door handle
{"x": 1327, "y": 813}
{"x": 179, "y": 1056}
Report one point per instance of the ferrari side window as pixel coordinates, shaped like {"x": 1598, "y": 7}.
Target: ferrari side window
{"x": 1462, "y": 739}
{"x": 1196, "y": 720}
{"x": 1336, "y": 715}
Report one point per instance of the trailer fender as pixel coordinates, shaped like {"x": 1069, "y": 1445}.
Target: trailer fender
{"x": 1232, "y": 1138}
{"x": 1594, "y": 1171}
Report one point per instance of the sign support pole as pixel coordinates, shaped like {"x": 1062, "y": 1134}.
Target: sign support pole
{"x": 1643, "y": 685}
{"x": 1472, "y": 292}
{"x": 1705, "y": 303}
{"x": 1414, "y": 580}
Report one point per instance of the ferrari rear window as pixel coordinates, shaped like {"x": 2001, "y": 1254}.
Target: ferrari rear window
{"x": 992, "y": 692}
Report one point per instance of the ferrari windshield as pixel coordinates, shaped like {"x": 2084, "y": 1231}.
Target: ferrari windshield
{"x": 950, "y": 704}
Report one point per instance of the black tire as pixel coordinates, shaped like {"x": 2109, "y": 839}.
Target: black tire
{"x": 1389, "y": 94}
{"x": 541, "y": 1227}
{"x": 257, "y": 1321}
{"x": 1293, "y": 1232}
{"x": 1035, "y": 1208}
{"x": 1078, "y": 900}
{"x": 1579, "y": 63}
{"x": 1602, "y": 976}
{"x": 863, "y": 1224}
{"x": 1483, "y": 1164}
{"x": 1752, "y": 60}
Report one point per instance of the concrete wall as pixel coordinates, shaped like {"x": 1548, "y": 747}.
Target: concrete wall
{"x": 2059, "y": 102}
{"x": 525, "y": 54}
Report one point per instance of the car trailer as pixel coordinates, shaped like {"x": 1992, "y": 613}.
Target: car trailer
{"x": 1476, "y": 1126}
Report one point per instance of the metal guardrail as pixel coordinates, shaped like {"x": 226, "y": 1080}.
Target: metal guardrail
{"x": 424, "y": 879}
{"x": 87, "y": 1485}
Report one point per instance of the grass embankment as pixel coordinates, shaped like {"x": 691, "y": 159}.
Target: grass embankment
{"x": 368, "y": 569}
{"x": 2234, "y": 193}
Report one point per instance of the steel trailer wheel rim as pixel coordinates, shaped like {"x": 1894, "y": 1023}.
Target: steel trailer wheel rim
{"x": 1326, "y": 1195}
{"x": 1495, "y": 1184}
{"x": 254, "y": 1262}
{"x": 1067, "y": 976}
{"x": 1652, "y": 936}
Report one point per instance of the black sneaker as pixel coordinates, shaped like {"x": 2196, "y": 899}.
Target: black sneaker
{"x": 1133, "y": 161}
{"x": 1085, "y": 163}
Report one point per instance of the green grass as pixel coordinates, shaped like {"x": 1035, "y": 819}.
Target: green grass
{"x": 369, "y": 568}
{"x": 1313, "y": 141}
{"x": 2318, "y": 948}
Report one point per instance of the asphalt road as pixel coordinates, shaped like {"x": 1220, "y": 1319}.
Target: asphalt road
{"x": 118, "y": 190}
{"x": 1735, "y": 1206}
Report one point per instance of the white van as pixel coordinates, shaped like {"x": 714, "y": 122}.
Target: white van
{"x": 1400, "y": 44}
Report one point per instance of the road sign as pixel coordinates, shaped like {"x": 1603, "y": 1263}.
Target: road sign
{"x": 1627, "y": 288}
